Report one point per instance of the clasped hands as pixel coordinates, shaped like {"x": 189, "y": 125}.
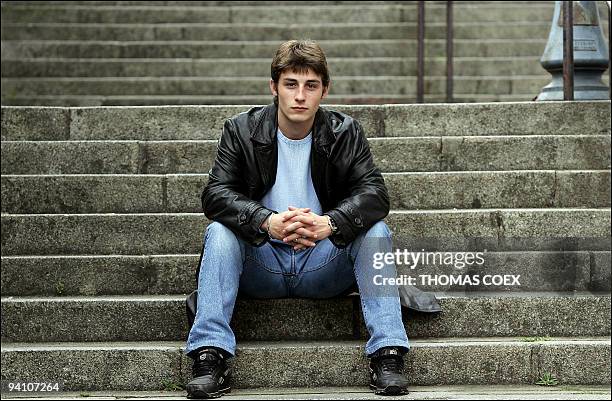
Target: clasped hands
{"x": 298, "y": 226}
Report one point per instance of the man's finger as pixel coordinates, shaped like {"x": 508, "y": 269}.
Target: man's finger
{"x": 307, "y": 242}
{"x": 297, "y": 239}
{"x": 306, "y": 219}
{"x": 306, "y": 233}
{"x": 299, "y": 247}
{"x": 292, "y": 238}
{"x": 293, "y": 226}
{"x": 287, "y": 215}
{"x": 303, "y": 241}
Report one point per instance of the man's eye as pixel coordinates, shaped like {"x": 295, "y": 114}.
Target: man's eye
{"x": 289, "y": 85}
{"x": 312, "y": 86}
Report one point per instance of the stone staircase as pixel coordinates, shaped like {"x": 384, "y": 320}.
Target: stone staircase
{"x": 101, "y": 234}
{"x": 154, "y": 53}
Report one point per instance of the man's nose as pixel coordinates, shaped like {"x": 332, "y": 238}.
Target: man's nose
{"x": 300, "y": 93}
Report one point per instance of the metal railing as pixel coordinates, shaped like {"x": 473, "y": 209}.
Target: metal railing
{"x": 568, "y": 51}
{"x": 420, "y": 51}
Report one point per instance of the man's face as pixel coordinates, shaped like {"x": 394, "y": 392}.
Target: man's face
{"x": 299, "y": 95}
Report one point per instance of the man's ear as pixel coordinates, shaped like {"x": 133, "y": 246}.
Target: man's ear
{"x": 326, "y": 90}
{"x": 273, "y": 88}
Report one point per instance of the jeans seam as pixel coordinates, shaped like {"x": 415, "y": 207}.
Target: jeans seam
{"x": 261, "y": 265}
{"x": 364, "y": 310}
{"x": 323, "y": 264}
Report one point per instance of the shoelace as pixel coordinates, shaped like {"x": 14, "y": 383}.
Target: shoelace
{"x": 206, "y": 366}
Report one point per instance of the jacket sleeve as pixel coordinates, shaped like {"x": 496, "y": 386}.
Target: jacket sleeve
{"x": 368, "y": 201}
{"x": 224, "y": 199}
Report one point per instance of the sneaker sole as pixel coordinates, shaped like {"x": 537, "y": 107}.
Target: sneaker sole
{"x": 389, "y": 390}
{"x": 203, "y": 395}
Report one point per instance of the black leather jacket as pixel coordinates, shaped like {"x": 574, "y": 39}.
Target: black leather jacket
{"x": 349, "y": 186}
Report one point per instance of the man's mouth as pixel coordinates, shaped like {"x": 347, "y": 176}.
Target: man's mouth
{"x": 300, "y": 108}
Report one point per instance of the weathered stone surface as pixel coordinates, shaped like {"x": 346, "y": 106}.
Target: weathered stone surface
{"x": 600, "y": 271}
{"x": 35, "y": 124}
{"x": 536, "y": 118}
{"x": 406, "y": 154}
{"x": 176, "y": 157}
{"x": 576, "y": 188}
{"x": 101, "y": 157}
{"x": 147, "y": 366}
{"x": 528, "y": 152}
{"x": 409, "y": 154}
{"x": 83, "y": 194}
{"x": 125, "y": 366}
{"x": 333, "y": 48}
{"x": 211, "y": 86}
{"x": 162, "y": 318}
{"x": 295, "y": 14}
{"x": 243, "y": 67}
{"x": 497, "y": 315}
{"x": 464, "y": 230}
{"x": 152, "y": 123}
{"x": 471, "y": 190}
{"x": 206, "y": 122}
{"x": 175, "y": 274}
{"x": 460, "y": 392}
{"x": 560, "y": 360}
{"x": 98, "y": 275}
{"x": 102, "y": 234}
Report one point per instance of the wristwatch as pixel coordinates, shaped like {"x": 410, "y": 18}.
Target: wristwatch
{"x": 332, "y": 224}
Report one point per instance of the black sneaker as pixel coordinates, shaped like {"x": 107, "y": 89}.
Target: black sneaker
{"x": 387, "y": 372}
{"x": 211, "y": 375}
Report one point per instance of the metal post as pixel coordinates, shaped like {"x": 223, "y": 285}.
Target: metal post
{"x": 420, "y": 51}
{"x": 568, "y": 50}
{"x": 449, "y": 51}
{"x": 576, "y": 54}
{"x": 609, "y": 55}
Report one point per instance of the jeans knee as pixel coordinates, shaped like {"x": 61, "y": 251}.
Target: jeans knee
{"x": 219, "y": 235}
{"x": 379, "y": 230}
{"x": 216, "y": 228}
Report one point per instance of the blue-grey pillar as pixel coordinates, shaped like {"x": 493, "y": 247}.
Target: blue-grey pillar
{"x": 590, "y": 54}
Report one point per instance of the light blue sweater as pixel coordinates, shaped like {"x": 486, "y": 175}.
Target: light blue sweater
{"x": 293, "y": 185}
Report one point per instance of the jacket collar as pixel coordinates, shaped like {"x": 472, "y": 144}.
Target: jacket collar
{"x": 263, "y": 124}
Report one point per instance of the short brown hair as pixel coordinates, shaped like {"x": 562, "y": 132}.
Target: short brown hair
{"x": 300, "y": 56}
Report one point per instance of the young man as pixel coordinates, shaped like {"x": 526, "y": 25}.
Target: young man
{"x": 297, "y": 207}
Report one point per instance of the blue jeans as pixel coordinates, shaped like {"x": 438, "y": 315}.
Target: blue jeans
{"x": 275, "y": 270}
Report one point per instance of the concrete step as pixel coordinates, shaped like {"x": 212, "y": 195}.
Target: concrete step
{"x": 206, "y": 122}
{"x": 175, "y": 274}
{"x": 243, "y": 67}
{"x": 162, "y": 318}
{"x": 491, "y": 392}
{"x": 412, "y": 191}
{"x": 13, "y": 49}
{"x": 427, "y": 154}
{"x": 372, "y": 13}
{"x": 250, "y": 3}
{"x": 104, "y": 366}
{"x": 170, "y": 233}
{"x": 353, "y": 85}
{"x": 187, "y": 100}
{"x": 278, "y": 30}
{"x": 158, "y": 3}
